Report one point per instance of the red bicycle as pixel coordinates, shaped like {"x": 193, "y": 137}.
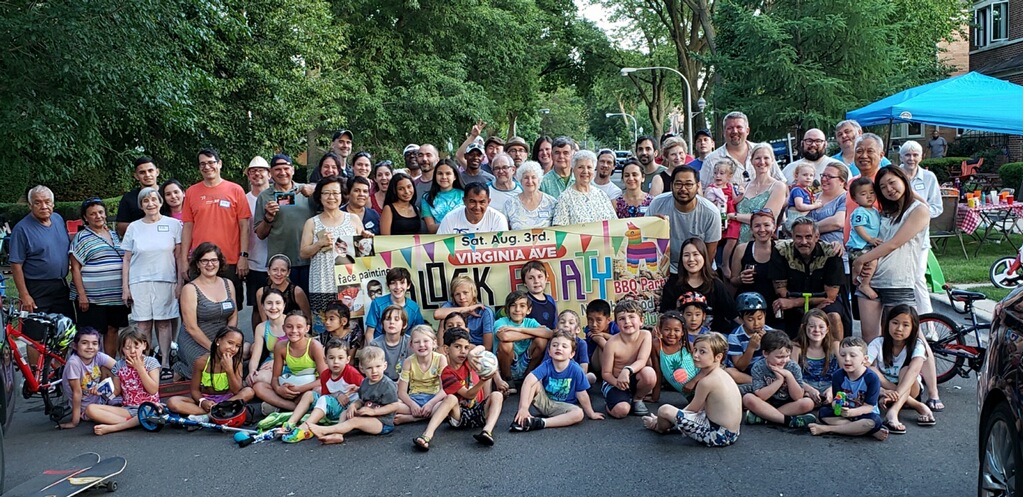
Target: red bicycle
{"x": 49, "y": 335}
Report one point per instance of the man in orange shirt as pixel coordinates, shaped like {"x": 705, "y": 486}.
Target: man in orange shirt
{"x": 217, "y": 211}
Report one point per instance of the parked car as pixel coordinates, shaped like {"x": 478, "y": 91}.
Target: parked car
{"x": 999, "y": 403}
{"x": 620, "y": 158}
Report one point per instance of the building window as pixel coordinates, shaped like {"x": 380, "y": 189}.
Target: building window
{"x": 999, "y": 24}
{"x": 906, "y": 130}
{"x": 991, "y": 23}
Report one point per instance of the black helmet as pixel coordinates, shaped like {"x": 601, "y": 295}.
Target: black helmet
{"x": 750, "y": 302}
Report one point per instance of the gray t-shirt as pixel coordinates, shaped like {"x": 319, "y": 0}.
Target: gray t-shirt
{"x": 937, "y": 147}
{"x": 482, "y": 177}
{"x": 286, "y": 230}
{"x": 393, "y": 355}
{"x": 380, "y": 394}
{"x": 704, "y": 222}
{"x": 761, "y": 376}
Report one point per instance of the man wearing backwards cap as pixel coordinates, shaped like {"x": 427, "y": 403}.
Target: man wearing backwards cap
{"x": 517, "y": 149}
{"x": 281, "y": 212}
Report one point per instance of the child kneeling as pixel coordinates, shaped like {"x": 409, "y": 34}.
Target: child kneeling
{"x": 554, "y": 388}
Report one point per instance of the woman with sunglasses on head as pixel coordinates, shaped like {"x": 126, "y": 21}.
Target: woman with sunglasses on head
{"x": 832, "y": 214}
{"x": 96, "y": 262}
{"x": 753, "y": 263}
{"x": 380, "y": 178}
{"x": 763, "y": 191}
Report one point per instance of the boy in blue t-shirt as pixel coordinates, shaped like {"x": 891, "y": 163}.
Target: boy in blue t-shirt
{"x": 557, "y": 389}
{"x": 745, "y": 340}
{"x": 542, "y": 305}
{"x": 521, "y": 340}
{"x": 864, "y": 225}
{"x": 860, "y": 389}
{"x": 399, "y": 282}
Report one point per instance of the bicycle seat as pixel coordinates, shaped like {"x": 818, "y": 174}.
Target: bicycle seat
{"x": 967, "y": 296}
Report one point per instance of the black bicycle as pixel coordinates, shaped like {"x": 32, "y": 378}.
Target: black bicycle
{"x": 952, "y": 343}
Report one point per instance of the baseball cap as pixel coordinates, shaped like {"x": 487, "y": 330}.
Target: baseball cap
{"x": 494, "y": 139}
{"x": 280, "y": 158}
{"x": 516, "y": 141}
{"x": 412, "y": 147}
{"x": 703, "y": 131}
{"x": 257, "y": 161}
{"x": 474, "y": 146}
{"x": 342, "y": 132}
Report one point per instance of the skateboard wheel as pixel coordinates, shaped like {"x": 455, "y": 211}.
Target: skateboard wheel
{"x": 112, "y": 486}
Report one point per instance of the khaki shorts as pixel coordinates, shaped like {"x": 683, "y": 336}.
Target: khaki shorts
{"x": 550, "y": 408}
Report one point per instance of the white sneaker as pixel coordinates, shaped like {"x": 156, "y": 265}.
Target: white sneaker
{"x": 199, "y": 418}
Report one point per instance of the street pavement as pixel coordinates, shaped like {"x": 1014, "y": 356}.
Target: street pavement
{"x": 611, "y": 457}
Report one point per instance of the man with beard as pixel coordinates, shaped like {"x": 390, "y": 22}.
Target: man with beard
{"x": 812, "y": 150}
{"x": 603, "y": 176}
{"x": 736, "y": 149}
{"x": 646, "y": 151}
{"x": 689, "y": 215}
{"x": 427, "y": 158}
{"x": 809, "y": 266}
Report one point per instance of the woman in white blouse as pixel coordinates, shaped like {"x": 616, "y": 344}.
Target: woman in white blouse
{"x": 532, "y": 208}
{"x": 582, "y": 202}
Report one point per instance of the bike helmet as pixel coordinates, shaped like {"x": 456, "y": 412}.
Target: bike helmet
{"x": 750, "y": 302}
{"x": 229, "y": 413}
{"x": 693, "y": 298}
{"x": 63, "y": 330}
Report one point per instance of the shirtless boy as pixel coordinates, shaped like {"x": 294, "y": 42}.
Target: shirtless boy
{"x": 627, "y": 377}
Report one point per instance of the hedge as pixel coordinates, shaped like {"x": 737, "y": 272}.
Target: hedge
{"x": 14, "y": 212}
{"x": 942, "y": 165}
{"x": 1012, "y": 173}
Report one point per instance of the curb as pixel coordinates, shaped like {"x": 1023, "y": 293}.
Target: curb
{"x": 984, "y": 308}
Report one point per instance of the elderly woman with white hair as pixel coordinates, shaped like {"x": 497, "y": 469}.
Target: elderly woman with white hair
{"x": 581, "y": 202}
{"x": 149, "y": 279}
{"x": 532, "y": 208}
{"x": 925, "y": 185}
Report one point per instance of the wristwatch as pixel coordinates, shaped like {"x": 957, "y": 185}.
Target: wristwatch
{"x": 244, "y": 254}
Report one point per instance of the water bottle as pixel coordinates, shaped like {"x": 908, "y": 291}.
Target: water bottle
{"x": 956, "y": 183}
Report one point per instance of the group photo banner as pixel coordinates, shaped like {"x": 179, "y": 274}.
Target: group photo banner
{"x": 611, "y": 260}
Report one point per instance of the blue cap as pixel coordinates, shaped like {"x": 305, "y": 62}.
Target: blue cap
{"x": 279, "y": 158}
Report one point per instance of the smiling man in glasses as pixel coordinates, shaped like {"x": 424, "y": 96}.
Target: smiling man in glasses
{"x": 812, "y": 151}
{"x": 688, "y": 213}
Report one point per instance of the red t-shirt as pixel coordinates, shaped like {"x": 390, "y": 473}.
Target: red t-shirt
{"x": 331, "y": 385}
{"x": 452, "y": 380}
{"x": 214, "y": 213}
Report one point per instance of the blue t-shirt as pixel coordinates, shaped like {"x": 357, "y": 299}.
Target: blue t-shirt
{"x": 376, "y": 312}
{"x": 478, "y": 325}
{"x": 859, "y": 392}
{"x": 444, "y": 203}
{"x": 41, "y": 250}
{"x": 582, "y": 352}
{"x": 799, "y": 192}
{"x": 870, "y": 219}
{"x": 696, "y": 164}
{"x": 561, "y": 386}
{"x": 371, "y": 220}
{"x": 738, "y": 341}
{"x": 544, "y": 311}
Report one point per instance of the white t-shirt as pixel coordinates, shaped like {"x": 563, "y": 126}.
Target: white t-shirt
{"x": 819, "y": 167}
{"x": 501, "y": 197}
{"x": 257, "y": 247}
{"x": 610, "y": 189}
{"x": 152, "y": 248}
{"x": 892, "y": 373}
{"x": 456, "y": 222}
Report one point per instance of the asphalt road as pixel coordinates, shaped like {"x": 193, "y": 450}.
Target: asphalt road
{"x": 612, "y": 457}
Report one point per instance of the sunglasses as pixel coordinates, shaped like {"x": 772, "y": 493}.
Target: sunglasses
{"x": 91, "y": 202}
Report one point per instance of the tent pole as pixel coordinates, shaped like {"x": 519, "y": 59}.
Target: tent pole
{"x": 888, "y": 136}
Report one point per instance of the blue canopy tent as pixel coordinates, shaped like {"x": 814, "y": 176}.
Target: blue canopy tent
{"x": 971, "y": 101}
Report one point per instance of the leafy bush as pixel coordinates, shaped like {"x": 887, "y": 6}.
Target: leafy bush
{"x": 942, "y": 166}
{"x": 1012, "y": 173}
{"x": 70, "y": 210}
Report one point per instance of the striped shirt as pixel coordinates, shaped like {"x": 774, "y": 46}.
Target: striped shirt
{"x": 101, "y": 267}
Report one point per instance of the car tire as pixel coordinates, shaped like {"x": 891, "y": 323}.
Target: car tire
{"x": 999, "y": 471}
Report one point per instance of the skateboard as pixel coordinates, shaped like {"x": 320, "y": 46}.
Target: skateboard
{"x": 50, "y": 477}
{"x": 100, "y": 475}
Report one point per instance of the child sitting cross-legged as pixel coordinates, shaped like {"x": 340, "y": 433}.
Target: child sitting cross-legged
{"x": 627, "y": 377}
{"x": 339, "y": 384}
{"x": 374, "y": 412}
{"x": 745, "y": 340}
{"x": 815, "y": 351}
{"x": 394, "y": 342}
{"x": 471, "y": 402}
{"x": 860, "y": 388}
{"x": 713, "y": 416}
{"x": 521, "y": 339}
{"x": 419, "y": 384}
{"x": 557, "y": 389}
{"x": 777, "y": 394}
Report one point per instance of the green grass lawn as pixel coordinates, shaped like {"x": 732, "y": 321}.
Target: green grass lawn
{"x": 974, "y": 269}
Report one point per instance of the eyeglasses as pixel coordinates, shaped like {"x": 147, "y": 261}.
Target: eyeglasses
{"x": 208, "y": 163}
{"x": 209, "y": 262}
{"x": 829, "y": 177}
{"x": 330, "y": 194}
{"x": 814, "y": 141}
{"x": 687, "y": 185}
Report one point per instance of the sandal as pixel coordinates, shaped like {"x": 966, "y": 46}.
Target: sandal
{"x": 166, "y": 374}
{"x": 895, "y": 428}
{"x": 926, "y": 420}
{"x": 935, "y": 405}
{"x": 421, "y": 443}
{"x": 485, "y": 438}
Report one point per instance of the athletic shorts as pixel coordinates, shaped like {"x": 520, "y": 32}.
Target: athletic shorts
{"x": 828, "y": 412}
{"x": 697, "y": 426}
{"x": 521, "y": 358}
{"x": 329, "y": 405}
{"x": 253, "y": 282}
{"x": 550, "y": 408}
{"x": 614, "y": 395}
{"x": 101, "y": 317}
{"x": 153, "y": 301}
{"x": 470, "y": 417}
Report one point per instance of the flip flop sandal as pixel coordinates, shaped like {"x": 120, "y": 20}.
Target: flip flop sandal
{"x": 893, "y": 429}
{"x": 421, "y": 443}
{"x": 925, "y": 421}
{"x": 935, "y": 405}
{"x": 484, "y": 438}
{"x": 166, "y": 374}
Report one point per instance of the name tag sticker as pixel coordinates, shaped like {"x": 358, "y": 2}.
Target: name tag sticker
{"x": 919, "y": 186}
{"x": 227, "y": 306}
{"x": 225, "y": 204}
{"x": 163, "y": 228}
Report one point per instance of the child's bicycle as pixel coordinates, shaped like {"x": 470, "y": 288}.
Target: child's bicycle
{"x": 1006, "y": 272}
{"x": 45, "y": 375}
{"x": 952, "y": 343}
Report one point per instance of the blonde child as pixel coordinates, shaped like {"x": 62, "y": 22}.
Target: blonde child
{"x": 724, "y": 194}
{"x": 374, "y": 412}
{"x": 419, "y": 384}
{"x": 338, "y": 388}
{"x": 860, "y": 387}
{"x": 672, "y": 356}
{"x": 864, "y": 228}
{"x": 136, "y": 378}
{"x": 216, "y": 377}
{"x": 815, "y": 351}
{"x": 394, "y": 342}
{"x": 521, "y": 339}
{"x": 479, "y": 317}
{"x": 265, "y": 337}
{"x": 85, "y": 368}
{"x": 627, "y": 377}
{"x": 801, "y": 196}
{"x": 569, "y": 320}
{"x": 557, "y": 389}
{"x": 897, "y": 357}
{"x": 304, "y": 358}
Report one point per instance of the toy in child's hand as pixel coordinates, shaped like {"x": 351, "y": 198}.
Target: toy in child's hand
{"x": 488, "y": 363}
{"x": 838, "y": 403}
{"x": 681, "y": 375}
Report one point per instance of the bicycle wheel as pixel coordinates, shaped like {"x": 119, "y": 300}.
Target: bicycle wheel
{"x": 1000, "y": 276}
{"x": 50, "y": 382}
{"x": 946, "y": 338}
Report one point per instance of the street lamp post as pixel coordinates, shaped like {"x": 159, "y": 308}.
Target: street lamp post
{"x": 613, "y": 114}
{"x": 686, "y": 84}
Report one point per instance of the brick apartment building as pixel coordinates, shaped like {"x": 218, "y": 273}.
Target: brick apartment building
{"x": 996, "y": 46}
